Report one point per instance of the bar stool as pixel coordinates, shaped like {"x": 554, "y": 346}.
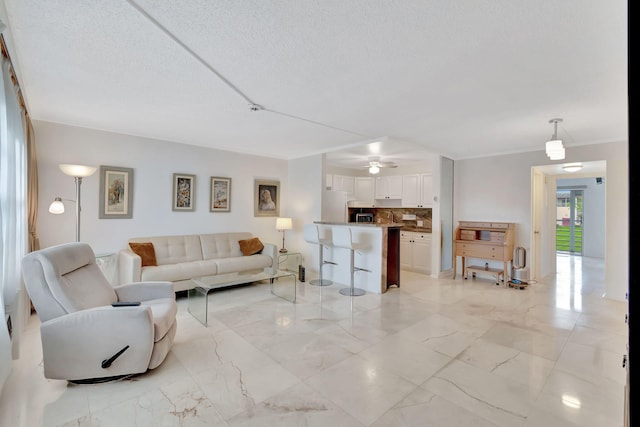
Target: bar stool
{"x": 312, "y": 235}
{"x": 342, "y": 239}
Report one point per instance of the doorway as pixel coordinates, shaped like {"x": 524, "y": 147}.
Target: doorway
{"x": 569, "y": 218}
{"x": 589, "y": 231}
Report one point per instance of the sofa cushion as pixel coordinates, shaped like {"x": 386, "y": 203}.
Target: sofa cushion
{"x": 250, "y": 246}
{"x": 144, "y": 251}
{"x": 222, "y": 245}
{"x": 179, "y": 271}
{"x": 243, "y": 263}
{"x": 174, "y": 249}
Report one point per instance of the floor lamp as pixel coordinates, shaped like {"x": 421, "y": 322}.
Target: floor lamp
{"x": 78, "y": 172}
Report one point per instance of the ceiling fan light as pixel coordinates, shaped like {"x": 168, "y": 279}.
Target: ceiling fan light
{"x": 572, "y": 167}
{"x": 373, "y": 169}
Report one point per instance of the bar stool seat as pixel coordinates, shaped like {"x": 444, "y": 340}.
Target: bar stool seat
{"x": 342, "y": 238}
{"x": 312, "y": 235}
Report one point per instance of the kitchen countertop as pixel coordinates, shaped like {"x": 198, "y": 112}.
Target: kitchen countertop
{"x": 417, "y": 229}
{"x": 361, "y": 224}
{"x": 380, "y": 225}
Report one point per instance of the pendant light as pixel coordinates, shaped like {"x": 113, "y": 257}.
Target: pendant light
{"x": 554, "y": 147}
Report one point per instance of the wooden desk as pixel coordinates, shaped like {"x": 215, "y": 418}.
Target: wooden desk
{"x": 484, "y": 240}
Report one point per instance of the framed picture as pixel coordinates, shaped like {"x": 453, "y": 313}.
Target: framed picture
{"x": 220, "y": 196}
{"x": 116, "y": 192}
{"x": 266, "y": 198}
{"x": 184, "y": 192}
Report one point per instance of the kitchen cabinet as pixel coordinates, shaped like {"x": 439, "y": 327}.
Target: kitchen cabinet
{"x": 426, "y": 190}
{"x": 417, "y": 190}
{"x": 343, "y": 183}
{"x": 389, "y": 187}
{"x": 363, "y": 190}
{"x": 415, "y": 251}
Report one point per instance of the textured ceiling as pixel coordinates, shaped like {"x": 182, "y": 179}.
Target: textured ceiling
{"x": 461, "y": 78}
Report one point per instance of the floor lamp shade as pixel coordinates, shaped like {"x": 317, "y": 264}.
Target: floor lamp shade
{"x": 78, "y": 172}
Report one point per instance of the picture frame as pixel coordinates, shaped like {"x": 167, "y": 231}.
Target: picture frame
{"x": 266, "y": 198}
{"x": 220, "y": 194}
{"x": 184, "y": 192}
{"x": 116, "y": 193}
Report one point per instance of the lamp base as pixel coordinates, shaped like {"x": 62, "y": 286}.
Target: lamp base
{"x": 283, "y": 251}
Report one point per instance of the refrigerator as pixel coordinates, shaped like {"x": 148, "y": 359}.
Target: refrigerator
{"x": 334, "y": 206}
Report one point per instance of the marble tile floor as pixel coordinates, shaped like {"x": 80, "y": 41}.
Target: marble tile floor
{"x": 435, "y": 352}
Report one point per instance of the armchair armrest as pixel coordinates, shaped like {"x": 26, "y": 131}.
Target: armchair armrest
{"x": 129, "y": 266}
{"x": 272, "y": 251}
{"x": 75, "y": 345}
{"x": 144, "y": 291}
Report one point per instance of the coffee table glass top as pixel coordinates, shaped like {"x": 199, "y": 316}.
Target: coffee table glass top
{"x": 199, "y": 295}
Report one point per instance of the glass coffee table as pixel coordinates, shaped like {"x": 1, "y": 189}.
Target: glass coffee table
{"x": 199, "y": 295}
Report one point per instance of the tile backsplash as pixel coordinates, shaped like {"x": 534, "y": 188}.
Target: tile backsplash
{"x": 422, "y": 221}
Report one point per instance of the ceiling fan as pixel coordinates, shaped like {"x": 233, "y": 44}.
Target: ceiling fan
{"x": 375, "y": 164}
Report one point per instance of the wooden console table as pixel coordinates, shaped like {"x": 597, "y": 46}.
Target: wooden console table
{"x": 484, "y": 240}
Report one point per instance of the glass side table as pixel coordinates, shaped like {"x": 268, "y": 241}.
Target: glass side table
{"x": 289, "y": 261}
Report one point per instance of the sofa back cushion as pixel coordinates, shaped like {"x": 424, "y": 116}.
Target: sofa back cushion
{"x": 174, "y": 249}
{"x": 222, "y": 245}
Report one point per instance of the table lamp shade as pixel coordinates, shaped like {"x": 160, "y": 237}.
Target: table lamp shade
{"x": 284, "y": 224}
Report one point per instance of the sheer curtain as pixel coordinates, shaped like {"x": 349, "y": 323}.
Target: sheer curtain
{"x": 13, "y": 216}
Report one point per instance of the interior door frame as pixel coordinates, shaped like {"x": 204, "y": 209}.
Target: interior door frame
{"x": 543, "y": 219}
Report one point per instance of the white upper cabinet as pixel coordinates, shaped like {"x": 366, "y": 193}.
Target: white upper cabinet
{"x": 363, "y": 190}
{"x": 417, "y": 190}
{"x": 389, "y": 187}
{"x": 426, "y": 190}
{"x": 411, "y": 191}
{"x": 343, "y": 183}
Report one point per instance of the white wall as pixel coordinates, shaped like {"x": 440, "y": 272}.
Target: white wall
{"x": 154, "y": 163}
{"x": 306, "y": 184}
{"x": 499, "y": 189}
{"x": 593, "y": 207}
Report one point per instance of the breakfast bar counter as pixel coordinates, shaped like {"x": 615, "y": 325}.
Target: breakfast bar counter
{"x": 381, "y": 257}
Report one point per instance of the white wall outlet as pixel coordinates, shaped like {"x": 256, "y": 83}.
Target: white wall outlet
{"x": 420, "y": 223}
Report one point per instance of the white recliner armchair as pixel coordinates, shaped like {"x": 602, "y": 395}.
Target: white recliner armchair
{"x": 84, "y": 337}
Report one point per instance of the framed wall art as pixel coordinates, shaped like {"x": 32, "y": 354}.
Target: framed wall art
{"x": 184, "y": 192}
{"x": 266, "y": 198}
{"x": 220, "y": 194}
{"x": 116, "y": 192}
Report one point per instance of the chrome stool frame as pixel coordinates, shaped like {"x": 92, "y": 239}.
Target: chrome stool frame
{"x": 312, "y": 235}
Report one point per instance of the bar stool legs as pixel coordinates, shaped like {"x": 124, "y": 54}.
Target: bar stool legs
{"x": 321, "y": 281}
{"x": 312, "y": 235}
{"x": 352, "y": 290}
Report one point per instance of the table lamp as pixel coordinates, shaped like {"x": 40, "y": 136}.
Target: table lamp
{"x": 283, "y": 224}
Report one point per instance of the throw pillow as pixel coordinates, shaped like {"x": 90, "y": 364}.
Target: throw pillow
{"x": 250, "y": 246}
{"x": 146, "y": 252}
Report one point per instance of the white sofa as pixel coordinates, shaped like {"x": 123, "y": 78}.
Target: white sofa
{"x": 183, "y": 257}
